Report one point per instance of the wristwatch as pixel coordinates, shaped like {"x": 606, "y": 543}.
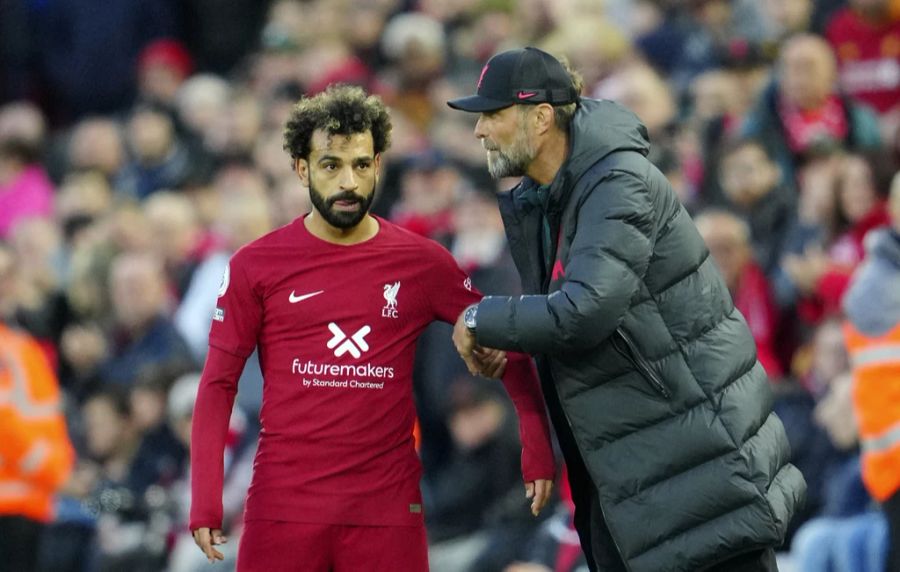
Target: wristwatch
{"x": 469, "y": 317}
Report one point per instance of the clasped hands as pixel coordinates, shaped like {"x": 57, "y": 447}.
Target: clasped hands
{"x": 482, "y": 361}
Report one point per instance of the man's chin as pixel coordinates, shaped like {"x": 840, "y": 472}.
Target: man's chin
{"x": 345, "y": 219}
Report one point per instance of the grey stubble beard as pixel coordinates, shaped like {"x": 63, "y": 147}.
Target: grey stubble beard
{"x": 515, "y": 162}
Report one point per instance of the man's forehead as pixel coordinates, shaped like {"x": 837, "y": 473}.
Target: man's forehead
{"x": 357, "y": 143}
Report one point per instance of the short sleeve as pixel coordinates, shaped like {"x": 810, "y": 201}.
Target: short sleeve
{"x": 238, "y": 313}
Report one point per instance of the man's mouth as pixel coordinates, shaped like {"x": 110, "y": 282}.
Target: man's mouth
{"x": 346, "y": 205}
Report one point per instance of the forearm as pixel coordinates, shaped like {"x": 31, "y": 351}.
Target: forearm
{"x": 212, "y": 411}
{"x": 523, "y": 387}
{"x": 575, "y": 318}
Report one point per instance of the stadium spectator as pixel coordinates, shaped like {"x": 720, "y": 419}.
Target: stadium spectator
{"x": 163, "y": 66}
{"x": 429, "y": 187}
{"x": 126, "y": 537}
{"x": 42, "y": 307}
{"x": 474, "y": 509}
{"x": 97, "y": 144}
{"x": 754, "y": 189}
{"x": 179, "y": 239}
{"x": 802, "y": 113}
{"x": 161, "y": 158}
{"x": 729, "y": 241}
{"x": 25, "y": 189}
{"x": 865, "y": 37}
{"x": 143, "y": 337}
{"x": 200, "y": 101}
{"x": 839, "y": 205}
{"x": 861, "y": 210}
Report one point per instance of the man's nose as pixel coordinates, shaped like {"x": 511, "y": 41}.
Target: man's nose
{"x": 348, "y": 179}
{"x": 480, "y": 131}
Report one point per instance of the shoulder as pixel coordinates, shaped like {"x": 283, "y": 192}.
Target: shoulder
{"x": 250, "y": 253}
{"x": 618, "y": 176}
{"x": 405, "y": 242}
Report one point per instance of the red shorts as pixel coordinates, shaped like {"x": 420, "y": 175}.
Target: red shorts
{"x": 278, "y": 546}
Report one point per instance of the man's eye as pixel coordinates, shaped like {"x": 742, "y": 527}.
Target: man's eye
{"x": 363, "y": 166}
{"x": 329, "y": 166}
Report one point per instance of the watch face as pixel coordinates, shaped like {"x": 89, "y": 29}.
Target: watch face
{"x": 469, "y": 318}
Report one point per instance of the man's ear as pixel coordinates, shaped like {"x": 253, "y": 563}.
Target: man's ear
{"x": 543, "y": 117}
{"x": 301, "y": 166}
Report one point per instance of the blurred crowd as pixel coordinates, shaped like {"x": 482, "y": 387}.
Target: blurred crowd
{"x": 141, "y": 145}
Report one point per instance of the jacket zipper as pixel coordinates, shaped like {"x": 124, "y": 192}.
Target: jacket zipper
{"x": 643, "y": 366}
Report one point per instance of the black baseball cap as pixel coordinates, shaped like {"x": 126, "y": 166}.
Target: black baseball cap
{"x": 524, "y": 75}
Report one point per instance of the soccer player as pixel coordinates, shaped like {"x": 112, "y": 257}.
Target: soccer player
{"x": 335, "y": 302}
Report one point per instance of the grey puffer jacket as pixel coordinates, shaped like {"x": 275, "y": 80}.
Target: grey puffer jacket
{"x": 655, "y": 369}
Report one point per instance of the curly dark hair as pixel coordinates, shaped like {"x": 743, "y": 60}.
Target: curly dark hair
{"x": 339, "y": 110}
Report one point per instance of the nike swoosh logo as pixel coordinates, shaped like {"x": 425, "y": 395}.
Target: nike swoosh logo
{"x": 526, "y": 94}
{"x": 294, "y": 299}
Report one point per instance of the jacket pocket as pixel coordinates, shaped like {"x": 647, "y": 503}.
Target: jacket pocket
{"x": 626, "y": 346}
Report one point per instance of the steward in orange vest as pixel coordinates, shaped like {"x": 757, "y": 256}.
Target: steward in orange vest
{"x": 876, "y": 401}
{"x": 35, "y": 454}
{"x": 872, "y": 335}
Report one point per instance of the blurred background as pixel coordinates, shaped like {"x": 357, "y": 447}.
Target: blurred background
{"x": 141, "y": 145}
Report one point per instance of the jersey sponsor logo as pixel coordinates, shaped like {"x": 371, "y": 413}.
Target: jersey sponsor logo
{"x": 346, "y": 376}
{"x": 390, "y": 296}
{"x": 219, "y": 315}
{"x": 341, "y": 343}
{"x": 226, "y": 278}
{"x": 293, "y": 298}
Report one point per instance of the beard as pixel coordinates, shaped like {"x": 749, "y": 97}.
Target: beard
{"x": 343, "y": 220}
{"x": 515, "y": 161}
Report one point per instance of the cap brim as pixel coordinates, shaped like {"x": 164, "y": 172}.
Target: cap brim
{"x": 478, "y": 104}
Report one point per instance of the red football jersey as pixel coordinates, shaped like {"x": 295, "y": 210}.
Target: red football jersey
{"x": 336, "y": 327}
{"x": 868, "y": 59}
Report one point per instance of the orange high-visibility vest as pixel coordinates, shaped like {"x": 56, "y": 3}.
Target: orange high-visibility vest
{"x": 876, "y": 401}
{"x": 36, "y": 456}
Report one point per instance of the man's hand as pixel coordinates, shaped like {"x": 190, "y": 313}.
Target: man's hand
{"x": 206, "y": 539}
{"x": 539, "y": 493}
{"x": 464, "y": 340}
{"x": 492, "y": 363}
{"x": 480, "y": 361}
